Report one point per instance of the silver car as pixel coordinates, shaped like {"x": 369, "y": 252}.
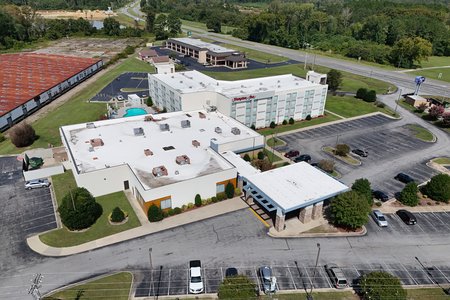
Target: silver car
{"x": 336, "y": 275}
{"x": 269, "y": 282}
{"x": 37, "y": 183}
{"x": 379, "y": 218}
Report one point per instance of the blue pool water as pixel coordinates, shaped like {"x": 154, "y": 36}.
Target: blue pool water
{"x": 131, "y": 112}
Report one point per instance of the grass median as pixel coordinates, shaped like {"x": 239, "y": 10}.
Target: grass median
{"x": 420, "y": 132}
{"x": 438, "y": 74}
{"x": 113, "y": 287}
{"x": 348, "y": 106}
{"x": 77, "y": 109}
{"x": 299, "y": 124}
{"x": 64, "y": 238}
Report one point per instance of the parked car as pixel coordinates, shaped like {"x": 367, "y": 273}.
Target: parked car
{"x": 360, "y": 152}
{"x": 37, "y": 183}
{"x": 303, "y": 157}
{"x": 195, "y": 277}
{"x": 269, "y": 282}
{"x": 379, "y": 218}
{"x": 407, "y": 217}
{"x": 230, "y": 272}
{"x": 380, "y": 195}
{"x": 405, "y": 178}
{"x": 336, "y": 275}
{"x": 292, "y": 153}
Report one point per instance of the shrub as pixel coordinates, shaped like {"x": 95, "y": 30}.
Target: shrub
{"x": 334, "y": 79}
{"x": 170, "y": 212}
{"x": 285, "y": 122}
{"x": 263, "y": 165}
{"x": 204, "y": 202}
{"x": 214, "y": 199}
{"x": 361, "y": 93}
{"x": 273, "y": 125}
{"x": 229, "y": 190}
{"x": 342, "y": 149}
{"x": 408, "y": 196}
{"x": 381, "y": 285}
{"x": 435, "y": 111}
{"x": 237, "y": 287}
{"x": 149, "y": 101}
{"x": 237, "y": 191}
{"x": 247, "y": 157}
{"x": 198, "y": 200}
{"x": 155, "y": 213}
{"x": 380, "y": 104}
{"x": 129, "y": 50}
{"x": 378, "y": 204}
{"x": 371, "y": 96}
{"x": 362, "y": 187}
{"x": 79, "y": 210}
{"x": 253, "y": 127}
{"x": 190, "y": 205}
{"x": 221, "y": 196}
{"x": 261, "y": 155}
{"x": 291, "y": 121}
{"x": 349, "y": 210}
{"x": 165, "y": 214}
{"x": 438, "y": 188}
{"x": 22, "y": 135}
{"x": 308, "y": 118}
{"x": 327, "y": 165}
{"x": 177, "y": 210}
{"x": 2, "y": 137}
{"x": 117, "y": 215}
{"x": 183, "y": 207}
{"x": 422, "y": 107}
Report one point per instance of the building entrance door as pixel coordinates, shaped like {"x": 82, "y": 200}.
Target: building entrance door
{"x": 126, "y": 185}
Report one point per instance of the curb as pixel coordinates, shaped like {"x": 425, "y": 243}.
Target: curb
{"x": 322, "y": 235}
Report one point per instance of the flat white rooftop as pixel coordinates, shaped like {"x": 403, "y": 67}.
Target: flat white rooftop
{"x": 296, "y": 186}
{"x": 244, "y": 167}
{"x": 194, "y": 81}
{"x": 121, "y": 145}
{"x": 201, "y": 44}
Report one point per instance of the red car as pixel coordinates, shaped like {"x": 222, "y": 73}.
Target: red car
{"x": 292, "y": 153}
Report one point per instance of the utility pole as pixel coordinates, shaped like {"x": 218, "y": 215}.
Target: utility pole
{"x": 35, "y": 286}
{"x": 314, "y": 273}
{"x": 151, "y": 270}
{"x": 398, "y": 99}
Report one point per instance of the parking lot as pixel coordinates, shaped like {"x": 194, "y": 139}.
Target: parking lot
{"x": 23, "y": 213}
{"x": 379, "y": 135}
{"x": 136, "y": 82}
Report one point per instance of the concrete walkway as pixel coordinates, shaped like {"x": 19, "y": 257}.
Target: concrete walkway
{"x": 147, "y": 228}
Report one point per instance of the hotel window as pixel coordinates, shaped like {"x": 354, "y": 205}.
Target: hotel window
{"x": 220, "y": 188}
{"x": 166, "y": 203}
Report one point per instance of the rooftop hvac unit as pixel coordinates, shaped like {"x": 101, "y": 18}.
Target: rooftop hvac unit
{"x": 90, "y": 125}
{"x": 148, "y": 152}
{"x": 201, "y": 115}
{"x": 164, "y": 127}
{"x": 183, "y": 160}
{"x": 218, "y": 130}
{"x": 159, "y": 171}
{"x": 91, "y": 149}
{"x": 235, "y": 131}
{"x": 96, "y": 142}
{"x": 211, "y": 108}
{"x": 138, "y": 131}
{"x": 195, "y": 143}
{"x": 185, "y": 124}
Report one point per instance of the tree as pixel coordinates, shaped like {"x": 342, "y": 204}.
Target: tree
{"x": 79, "y": 210}
{"x": 342, "y": 149}
{"x": 438, "y": 188}
{"x": 261, "y": 155}
{"x": 149, "y": 19}
{"x": 149, "y": 101}
{"x": 381, "y": 285}
{"x": 214, "y": 24}
{"x": 174, "y": 24}
{"x": 247, "y": 157}
{"x": 334, "y": 79}
{"x": 111, "y": 27}
{"x": 327, "y": 165}
{"x": 291, "y": 121}
{"x": 198, "y": 200}
{"x": 446, "y": 119}
{"x": 263, "y": 164}
{"x": 272, "y": 124}
{"x": 408, "y": 196}
{"x": 159, "y": 28}
{"x": 229, "y": 190}
{"x": 117, "y": 215}
{"x": 371, "y": 96}
{"x": 408, "y": 50}
{"x": 237, "y": 287}
{"x": 436, "y": 111}
{"x": 155, "y": 213}
{"x": 22, "y": 135}
{"x": 285, "y": 122}
{"x": 362, "y": 187}
{"x": 349, "y": 210}
{"x": 361, "y": 93}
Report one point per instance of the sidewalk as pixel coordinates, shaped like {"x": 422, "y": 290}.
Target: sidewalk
{"x": 147, "y": 228}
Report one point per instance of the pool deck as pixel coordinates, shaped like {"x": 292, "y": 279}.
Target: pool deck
{"x": 123, "y": 110}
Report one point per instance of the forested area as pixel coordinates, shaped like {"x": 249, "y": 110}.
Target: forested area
{"x": 66, "y": 4}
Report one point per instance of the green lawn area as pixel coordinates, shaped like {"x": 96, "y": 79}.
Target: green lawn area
{"x": 272, "y": 156}
{"x": 77, "y": 109}
{"x": 317, "y": 296}
{"x": 426, "y": 293}
{"x": 348, "y": 106}
{"x": 420, "y": 132}
{"x": 113, "y": 287}
{"x": 350, "y": 82}
{"x": 272, "y": 142}
{"x": 434, "y": 73}
{"x": 435, "y": 61}
{"x": 442, "y": 160}
{"x": 258, "y": 55}
{"x": 65, "y": 238}
{"x": 348, "y": 158}
{"x": 299, "y": 124}
{"x": 202, "y": 26}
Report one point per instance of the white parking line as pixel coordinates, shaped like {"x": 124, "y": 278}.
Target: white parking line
{"x": 309, "y": 278}
{"x": 221, "y": 272}
{"x": 409, "y": 274}
{"x": 257, "y": 280}
{"x": 292, "y": 277}
{"x": 187, "y": 290}
{"x": 168, "y": 287}
{"x": 442, "y": 274}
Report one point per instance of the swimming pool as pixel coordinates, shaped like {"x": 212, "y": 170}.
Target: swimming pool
{"x": 131, "y": 112}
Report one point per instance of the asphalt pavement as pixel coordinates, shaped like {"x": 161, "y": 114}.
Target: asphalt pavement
{"x": 137, "y": 82}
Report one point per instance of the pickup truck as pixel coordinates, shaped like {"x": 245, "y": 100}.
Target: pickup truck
{"x": 195, "y": 277}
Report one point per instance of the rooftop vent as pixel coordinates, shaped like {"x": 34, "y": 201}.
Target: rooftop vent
{"x": 159, "y": 171}
{"x": 189, "y": 115}
{"x": 138, "y": 131}
{"x": 195, "y": 143}
{"x": 242, "y": 86}
{"x": 148, "y": 152}
{"x": 91, "y": 149}
{"x": 164, "y": 127}
{"x": 181, "y": 81}
{"x": 201, "y": 115}
{"x": 185, "y": 123}
{"x": 260, "y": 83}
{"x": 183, "y": 160}
{"x": 167, "y": 148}
{"x": 218, "y": 130}
{"x": 235, "y": 131}
{"x": 96, "y": 142}
{"x": 90, "y": 125}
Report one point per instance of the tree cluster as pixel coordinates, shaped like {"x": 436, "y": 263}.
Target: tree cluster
{"x": 381, "y": 285}
{"x": 438, "y": 188}
{"x": 366, "y": 95}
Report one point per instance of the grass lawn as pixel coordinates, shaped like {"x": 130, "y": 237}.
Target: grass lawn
{"x": 65, "y": 238}
{"x": 77, "y": 109}
{"x": 434, "y": 73}
{"x": 435, "y": 61}
{"x": 420, "y": 132}
{"x": 113, "y": 287}
{"x": 347, "y": 295}
{"x": 272, "y": 142}
{"x": 348, "y": 106}
{"x": 258, "y": 55}
{"x": 199, "y": 25}
{"x": 442, "y": 160}
{"x": 272, "y": 156}
{"x": 348, "y": 159}
{"x": 350, "y": 82}
{"x": 426, "y": 293}
{"x": 298, "y": 124}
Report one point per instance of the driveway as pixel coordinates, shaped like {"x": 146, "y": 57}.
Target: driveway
{"x": 23, "y": 213}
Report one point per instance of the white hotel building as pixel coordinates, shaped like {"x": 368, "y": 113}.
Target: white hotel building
{"x": 257, "y": 102}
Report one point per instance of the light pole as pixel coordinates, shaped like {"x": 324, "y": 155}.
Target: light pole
{"x": 151, "y": 270}
{"x": 398, "y": 99}
{"x": 315, "y": 268}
